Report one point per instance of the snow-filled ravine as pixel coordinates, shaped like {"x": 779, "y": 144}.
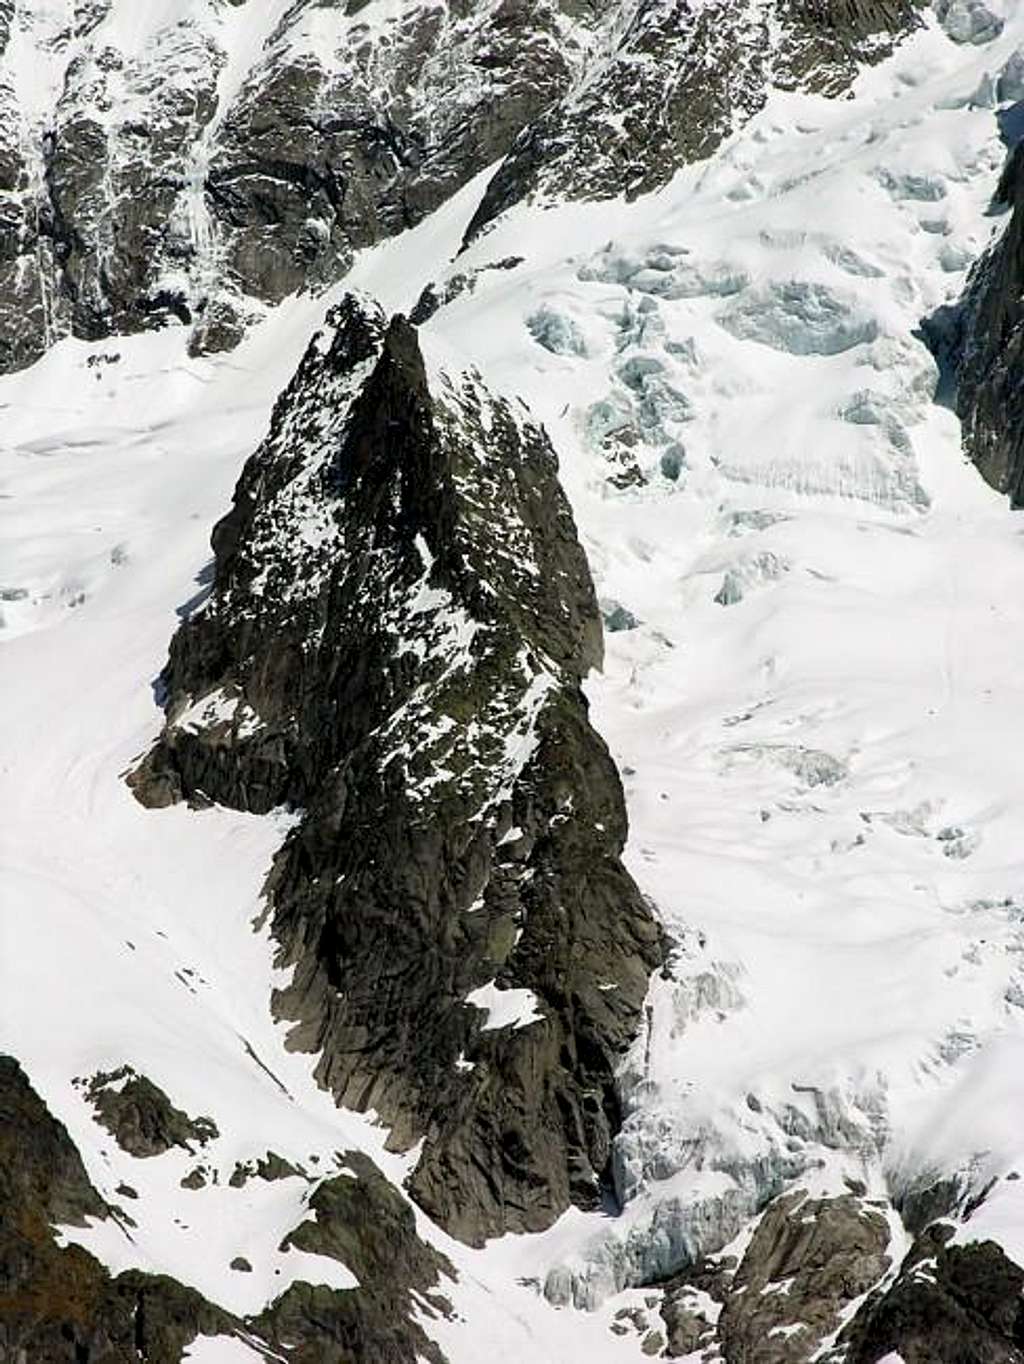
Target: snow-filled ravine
{"x": 813, "y": 610}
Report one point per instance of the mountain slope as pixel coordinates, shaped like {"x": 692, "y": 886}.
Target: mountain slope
{"x": 979, "y": 337}
{"x": 810, "y": 1148}
{"x": 193, "y": 163}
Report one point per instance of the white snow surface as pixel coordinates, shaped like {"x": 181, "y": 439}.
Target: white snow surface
{"x": 818, "y": 714}
{"x": 505, "y": 1008}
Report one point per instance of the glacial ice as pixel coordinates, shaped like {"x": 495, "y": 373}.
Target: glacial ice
{"x": 718, "y": 279}
{"x": 639, "y": 324}
{"x": 1010, "y": 81}
{"x": 610, "y": 417}
{"x": 616, "y": 617}
{"x": 800, "y": 317}
{"x": 556, "y": 332}
{"x": 666, "y": 272}
{"x": 746, "y": 520}
{"x": 926, "y": 189}
{"x": 764, "y": 567}
{"x": 851, "y": 261}
{"x": 811, "y": 767}
{"x": 968, "y": 21}
{"x": 709, "y": 1174}
{"x": 636, "y": 371}
{"x": 868, "y": 408}
{"x": 672, "y": 462}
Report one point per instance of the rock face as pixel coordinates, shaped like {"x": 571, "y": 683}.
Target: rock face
{"x": 400, "y": 621}
{"x": 811, "y": 1262}
{"x": 58, "y": 1303}
{"x": 808, "y": 1260}
{"x": 141, "y": 1118}
{"x": 359, "y": 1219}
{"x": 950, "y": 1305}
{"x": 193, "y": 169}
{"x": 676, "y": 78}
{"x": 984, "y": 341}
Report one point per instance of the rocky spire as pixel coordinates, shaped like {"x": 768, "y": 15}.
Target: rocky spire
{"x": 401, "y": 619}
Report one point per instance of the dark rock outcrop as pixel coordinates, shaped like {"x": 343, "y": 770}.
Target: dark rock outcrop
{"x": 140, "y": 1117}
{"x": 399, "y": 625}
{"x": 270, "y": 1167}
{"x": 685, "y": 1303}
{"x": 315, "y": 159}
{"x": 58, "y": 1304}
{"x": 359, "y": 1219}
{"x": 982, "y": 343}
{"x": 168, "y": 182}
{"x": 811, "y": 1261}
{"x": 675, "y": 80}
{"x": 41, "y": 1170}
{"x": 950, "y": 1305}
{"x": 808, "y": 1260}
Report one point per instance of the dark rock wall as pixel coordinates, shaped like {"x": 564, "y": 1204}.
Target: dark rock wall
{"x": 360, "y": 1220}
{"x": 817, "y": 1282}
{"x": 140, "y": 1117}
{"x": 158, "y": 186}
{"x": 949, "y": 1305}
{"x": 58, "y": 1305}
{"x": 983, "y": 343}
{"x": 676, "y": 79}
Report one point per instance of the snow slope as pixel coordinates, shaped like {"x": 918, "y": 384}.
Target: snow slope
{"x": 816, "y": 710}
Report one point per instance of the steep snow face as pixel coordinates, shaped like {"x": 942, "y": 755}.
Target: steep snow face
{"x": 813, "y": 608}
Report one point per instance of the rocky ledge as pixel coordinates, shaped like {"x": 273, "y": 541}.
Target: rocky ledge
{"x": 828, "y": 1279}
{"x": 674, "y": 78}
{"x": 59, "y": 1305}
